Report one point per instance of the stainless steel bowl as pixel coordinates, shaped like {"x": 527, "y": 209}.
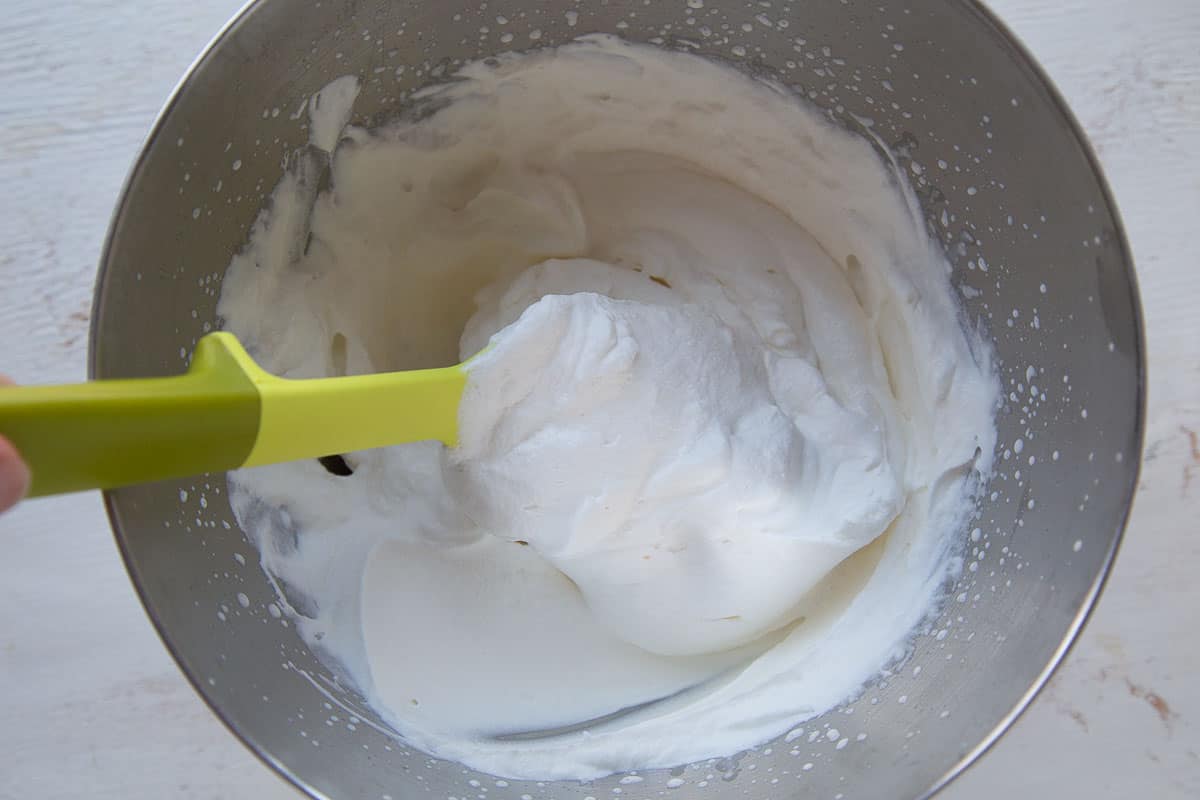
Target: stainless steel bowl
{"x": 1006, "y": 181}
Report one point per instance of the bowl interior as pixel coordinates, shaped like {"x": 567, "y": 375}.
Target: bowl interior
{"x": 1006, "y": 183}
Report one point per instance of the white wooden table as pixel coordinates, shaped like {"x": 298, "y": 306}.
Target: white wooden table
{"x": 90, "y": 703}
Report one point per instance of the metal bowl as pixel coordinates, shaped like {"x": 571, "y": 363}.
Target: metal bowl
{"x": 1006, "y": 181}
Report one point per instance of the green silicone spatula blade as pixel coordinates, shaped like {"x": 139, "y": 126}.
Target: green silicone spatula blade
{"x": 225, "y": 412}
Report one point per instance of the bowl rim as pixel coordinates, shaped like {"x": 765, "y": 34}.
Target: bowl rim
{"x": 1100, "y": 581}
{"x": 1074, "y": 629}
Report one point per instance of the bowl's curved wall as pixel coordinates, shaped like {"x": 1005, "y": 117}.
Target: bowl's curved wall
{"x": 1006, "y": 182}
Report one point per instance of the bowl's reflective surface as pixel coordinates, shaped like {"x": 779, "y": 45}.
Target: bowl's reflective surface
{"x": 1006, "y": 182}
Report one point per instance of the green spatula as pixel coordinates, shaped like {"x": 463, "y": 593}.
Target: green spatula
{"x": 225, "y": 412}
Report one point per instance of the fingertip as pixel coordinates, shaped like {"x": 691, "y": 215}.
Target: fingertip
{"x": 14, "y": 476}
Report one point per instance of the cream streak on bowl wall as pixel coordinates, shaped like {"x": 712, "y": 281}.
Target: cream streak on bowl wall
{"x": 717, "y": 456}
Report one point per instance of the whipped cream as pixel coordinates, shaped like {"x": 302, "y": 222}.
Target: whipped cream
{"x": 638, "y": 446}
{"x": 726, "y": 422}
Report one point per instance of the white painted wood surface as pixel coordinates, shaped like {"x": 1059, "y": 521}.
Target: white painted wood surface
{"x": 90, "y": 703}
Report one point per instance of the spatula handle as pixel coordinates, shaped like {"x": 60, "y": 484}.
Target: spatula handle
{"x": 111, "y": 433}
{"x": 225, "y": 412}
